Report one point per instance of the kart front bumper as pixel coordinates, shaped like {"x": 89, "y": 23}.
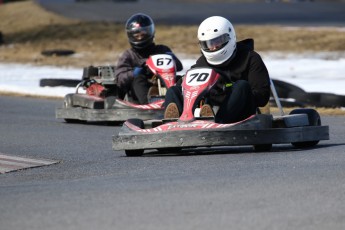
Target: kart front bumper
{"x": 255, "y": 131}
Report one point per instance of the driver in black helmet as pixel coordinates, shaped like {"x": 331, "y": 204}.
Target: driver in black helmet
{"x": 130, "y": 71}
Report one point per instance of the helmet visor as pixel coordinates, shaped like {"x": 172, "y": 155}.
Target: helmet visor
{"x": 140, "y": 34}
{"x": 215, "y": 44}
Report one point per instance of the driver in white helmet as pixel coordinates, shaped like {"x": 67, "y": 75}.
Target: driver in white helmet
{"x": 244, "y": 84}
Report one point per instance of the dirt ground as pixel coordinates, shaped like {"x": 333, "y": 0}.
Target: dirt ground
{"x": 28, "y": 30}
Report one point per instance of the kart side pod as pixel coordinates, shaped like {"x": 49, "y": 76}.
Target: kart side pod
{"x": 302, "y": 127}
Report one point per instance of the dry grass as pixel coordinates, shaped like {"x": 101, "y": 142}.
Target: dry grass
{"x": 28, "y": 30}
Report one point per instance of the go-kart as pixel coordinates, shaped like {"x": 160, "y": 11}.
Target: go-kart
{"x": 92, "y": 106}
{"x": 302, "y": 127}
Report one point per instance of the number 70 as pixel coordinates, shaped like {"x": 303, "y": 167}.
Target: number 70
{"x": 200, "y": 77}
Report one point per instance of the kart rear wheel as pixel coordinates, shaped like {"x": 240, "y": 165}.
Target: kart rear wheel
{"x": 262, "y": 148}
{"x": 134, "y": 153}
{"x": 137, "y": 122}
{"x": 89, "y": 72}
{"x": 284, "y": 89}
{"x": 314, "y": 120}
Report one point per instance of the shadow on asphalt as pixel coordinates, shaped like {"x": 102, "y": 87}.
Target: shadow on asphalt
{"x": 234, "y": 150}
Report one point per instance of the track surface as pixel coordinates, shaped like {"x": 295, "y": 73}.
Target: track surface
{"x": 226, "y": 188}
{"x": 181, "y": 12}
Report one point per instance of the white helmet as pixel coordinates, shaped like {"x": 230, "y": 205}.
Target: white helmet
{"x": 217, "y": 39}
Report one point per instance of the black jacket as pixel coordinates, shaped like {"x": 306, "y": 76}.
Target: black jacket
{"x": 132, "y": 58}
{"x": 245, "y": 65}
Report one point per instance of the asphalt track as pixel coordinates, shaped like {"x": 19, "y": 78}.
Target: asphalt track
{"x": 94, "y": 187}
{"x": 180, "y": 12}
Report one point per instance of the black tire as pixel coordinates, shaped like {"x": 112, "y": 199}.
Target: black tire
{"x": 169, "y": 150}
{"x": 136, "y": 152}
{"x": 74, "y": 121}
{"x": 114, "y": 123}
{"x": 58, "y": 82}
{"x": 313, "y": 116}
{"x": 57, "y": 52}
{"x": 288, "y": 91}
{"x": 137, "y": 122}
{"x": 89, "y": 72}
{"x": 1, "y": 39}
{"x": 285, "y": 90}
{"x": 262, "y": 148}
{"x": 287, "y": 103}
{"x": 332, "y": 100}
{"x": 328, "y": 100}
{"x": 314, "y": 120}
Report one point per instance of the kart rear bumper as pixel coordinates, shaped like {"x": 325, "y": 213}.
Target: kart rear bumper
{"x": 90, "y": 108}
{"x": 86, "y": 114}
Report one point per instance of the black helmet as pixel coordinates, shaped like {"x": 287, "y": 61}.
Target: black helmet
{"x": 140, "y": 30}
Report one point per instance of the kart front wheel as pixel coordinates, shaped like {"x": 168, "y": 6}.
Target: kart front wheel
{"x": 68, "y": 101}
{"x": 137, "y": 122}
{"x": 74, "y": 121}
{"x": 169, "y": 150}
{"x": 262, "y": 148}
{"x": 134, "y": 153}
{"x": 314, "y": 120}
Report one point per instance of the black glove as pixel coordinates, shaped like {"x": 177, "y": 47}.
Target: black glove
{"x": 142, "y": 70}
{"x": 219, "y": 91}
{"x": 179, "y": 79}
{"x": 87, "y": 83}
{"x": 146, "y": 71}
